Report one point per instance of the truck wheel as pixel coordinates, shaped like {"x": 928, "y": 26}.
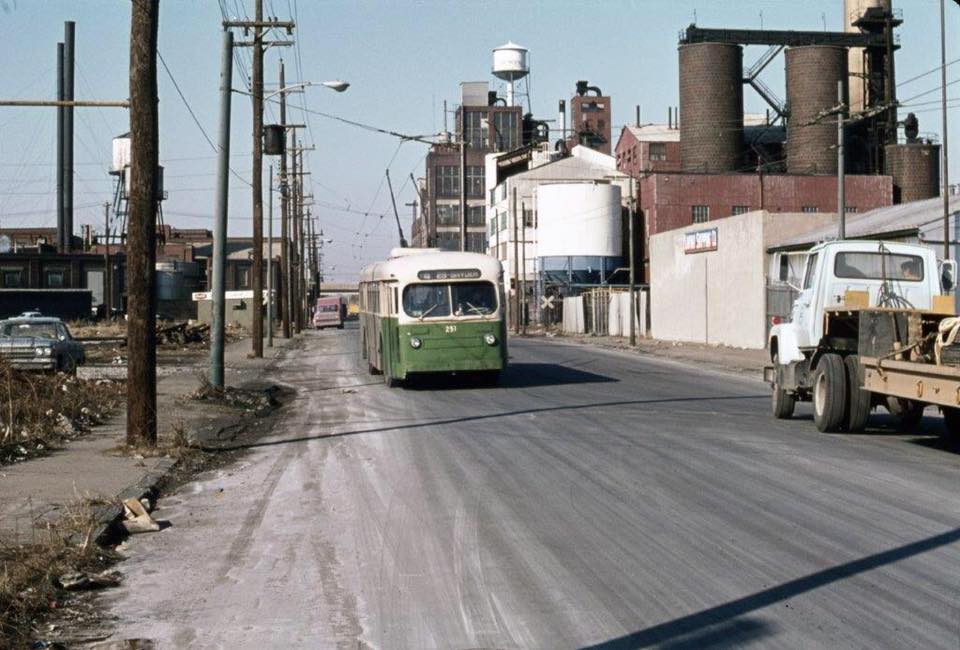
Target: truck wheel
{"x": 782, "y": 401}
{"x": 829, "y": 393}
{"x": 908, "y": 412}
{"x": 858, "y": 407}
{"x": 951, "y": 423}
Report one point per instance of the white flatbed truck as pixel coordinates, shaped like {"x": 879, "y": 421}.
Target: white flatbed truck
{"x": 874, "y": 324}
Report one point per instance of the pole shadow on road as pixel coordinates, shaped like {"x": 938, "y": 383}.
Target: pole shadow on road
{"x": 688, "y": 631}
{"x": 489, "y": 416}
{"x": 516, "y": 375}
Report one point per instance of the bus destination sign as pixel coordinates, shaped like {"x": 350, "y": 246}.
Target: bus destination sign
{"x": 449, "y": 274}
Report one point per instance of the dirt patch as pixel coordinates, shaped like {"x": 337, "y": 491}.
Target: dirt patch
{"x": 40, "y": 411}
{"x": 33, "y": 576}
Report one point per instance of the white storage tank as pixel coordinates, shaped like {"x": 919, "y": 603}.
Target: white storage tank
{"x": 578, "y": 219}
{"x": 121, "y": 153}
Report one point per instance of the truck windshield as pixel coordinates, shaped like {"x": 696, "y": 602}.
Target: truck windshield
{"x": 878, "y": 266}
{"x": 455, "y": 298}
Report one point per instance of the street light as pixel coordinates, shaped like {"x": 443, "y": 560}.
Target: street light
{"x": 337, "y": 85}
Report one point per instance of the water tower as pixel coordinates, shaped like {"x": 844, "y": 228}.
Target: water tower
{"x": 510, "y": 64}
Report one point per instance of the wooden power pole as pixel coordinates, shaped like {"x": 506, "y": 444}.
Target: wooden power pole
{"x": 142, "y": 226}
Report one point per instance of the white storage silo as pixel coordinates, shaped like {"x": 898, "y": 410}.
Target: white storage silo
{"x": 579, "y": 235}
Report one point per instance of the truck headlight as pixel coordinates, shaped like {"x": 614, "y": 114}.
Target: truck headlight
{"x": 415, "y": 343}
{"x": 489, "y": 339}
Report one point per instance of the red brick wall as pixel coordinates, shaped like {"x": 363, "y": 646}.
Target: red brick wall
{"x": 668, "y": 199}
{"x": 633, "y": 157}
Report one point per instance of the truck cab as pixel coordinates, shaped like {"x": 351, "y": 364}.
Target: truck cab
{"x": 850, "y": 291}
{"x": 879, "y": 274}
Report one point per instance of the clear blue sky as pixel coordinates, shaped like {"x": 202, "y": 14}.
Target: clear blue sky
{"x": 402, "y": 59}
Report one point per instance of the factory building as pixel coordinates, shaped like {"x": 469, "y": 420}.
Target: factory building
{"x": 590, "y": 118}
{"x": 714, "y": 161}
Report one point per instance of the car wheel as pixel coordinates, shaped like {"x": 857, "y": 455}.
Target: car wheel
{"x": 782, "y": 402}
{"x": 829, "y": 393}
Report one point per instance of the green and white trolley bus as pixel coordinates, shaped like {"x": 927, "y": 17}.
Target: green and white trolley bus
{"x": 429, "y": 311}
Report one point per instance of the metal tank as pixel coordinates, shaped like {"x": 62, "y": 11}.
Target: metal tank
{"x": 915, "y": 169}
{"x": 711, "y": 107}
{"x": 812, "y": 75}
{"x": 510, "y": 64}
{"x": 579, "y": 235}
{"x": 852, "y": 10}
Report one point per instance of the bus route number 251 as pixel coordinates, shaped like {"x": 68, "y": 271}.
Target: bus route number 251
{"x": 450, "y": 329}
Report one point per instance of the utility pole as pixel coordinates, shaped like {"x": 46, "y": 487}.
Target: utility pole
{"x": 841, "y": 190}
{"x": 301, "y": 265}
{"x": 221, "y": 199}
{"x": 107, "y": 295}
{"x": 141, "y": 226}
{"x": 270, "y": 260}
{"x": 258, "y": 24}
{"x": 257, "y": 270}
{"x": 463, "y": 187}
{"x": 516, "y": 269}
{"x": 294, "y": 248}
{"x": 633, "y": 285}
{"x": 523, "y": 272}
{"x": 284, "y": 211}
{"x": 943, "y": 147}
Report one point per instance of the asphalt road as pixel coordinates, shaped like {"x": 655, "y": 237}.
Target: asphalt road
{"x": 595, "y": 499}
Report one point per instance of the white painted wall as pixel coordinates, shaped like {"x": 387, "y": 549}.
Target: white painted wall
{"x": 718, "y": 297}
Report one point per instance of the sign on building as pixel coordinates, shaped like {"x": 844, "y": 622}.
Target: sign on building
{"x": 700, "y": 241}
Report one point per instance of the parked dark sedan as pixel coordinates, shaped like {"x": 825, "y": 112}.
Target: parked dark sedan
{"x": 39, "y": 343}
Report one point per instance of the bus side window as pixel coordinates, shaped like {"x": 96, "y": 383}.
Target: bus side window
{"x": 396, "y": 303}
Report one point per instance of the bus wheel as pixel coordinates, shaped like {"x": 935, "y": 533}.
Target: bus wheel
{"x": 858, "y": 410}
{"x": 391, "y": 381}
{"x": 488, "y": 378}
{"x": 829, "y": 393}
{"x": 782, "y": 402}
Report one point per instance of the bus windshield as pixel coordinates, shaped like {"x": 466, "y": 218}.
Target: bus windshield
{"x": 442, "y": 300}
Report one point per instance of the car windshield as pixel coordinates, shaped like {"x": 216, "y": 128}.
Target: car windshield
{"x": 444, "y": 300}
{"x": 38, "y": 330}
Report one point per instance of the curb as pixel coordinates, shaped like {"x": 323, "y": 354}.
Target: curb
{"x": 148, "y": 486}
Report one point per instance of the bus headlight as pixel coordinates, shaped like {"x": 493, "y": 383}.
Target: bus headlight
{"x": 489, "y": 339}
{"x": 415, "y": 343}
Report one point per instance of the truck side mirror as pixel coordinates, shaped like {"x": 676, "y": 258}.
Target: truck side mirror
{"x": 948, "y": 275}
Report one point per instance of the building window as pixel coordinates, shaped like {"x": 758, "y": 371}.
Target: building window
{"x": 503, "y": 252}
{"x": 851, "y": 209}
{"x": 243, "y": 278}
{"x": 506, "y": 130}
{"x": 476, "y": 242}
{"x": 448, "y": 241}
{"x": 446, "y": 180}
{"x": 11, "y": 278}
{"x": 809, "y": 209}
{"x": 658, "y": 151}
{"x": 474, "y": 130}
{"x": 701, "y": 213}
{"x": 528, "y": 218}
{"x": 475, "y": 181}
{"x": 448, "y": 215}
{"x": 740, "y": 209}
{"x": 475, "y": 215}
{"x": 54, "y": 279}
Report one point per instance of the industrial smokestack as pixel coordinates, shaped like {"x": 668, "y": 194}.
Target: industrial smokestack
{"x": 68, "y": 72}
{"x": 669, "y": 117}
{"x": 638, "y": 116}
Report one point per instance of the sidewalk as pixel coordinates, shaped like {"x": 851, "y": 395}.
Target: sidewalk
{"x": 91, "y": 467}
{"x": 748, "y": 362}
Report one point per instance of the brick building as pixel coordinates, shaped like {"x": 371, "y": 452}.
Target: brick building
{"x": 486, "y": 127}
{"x": 591, "y": 119}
